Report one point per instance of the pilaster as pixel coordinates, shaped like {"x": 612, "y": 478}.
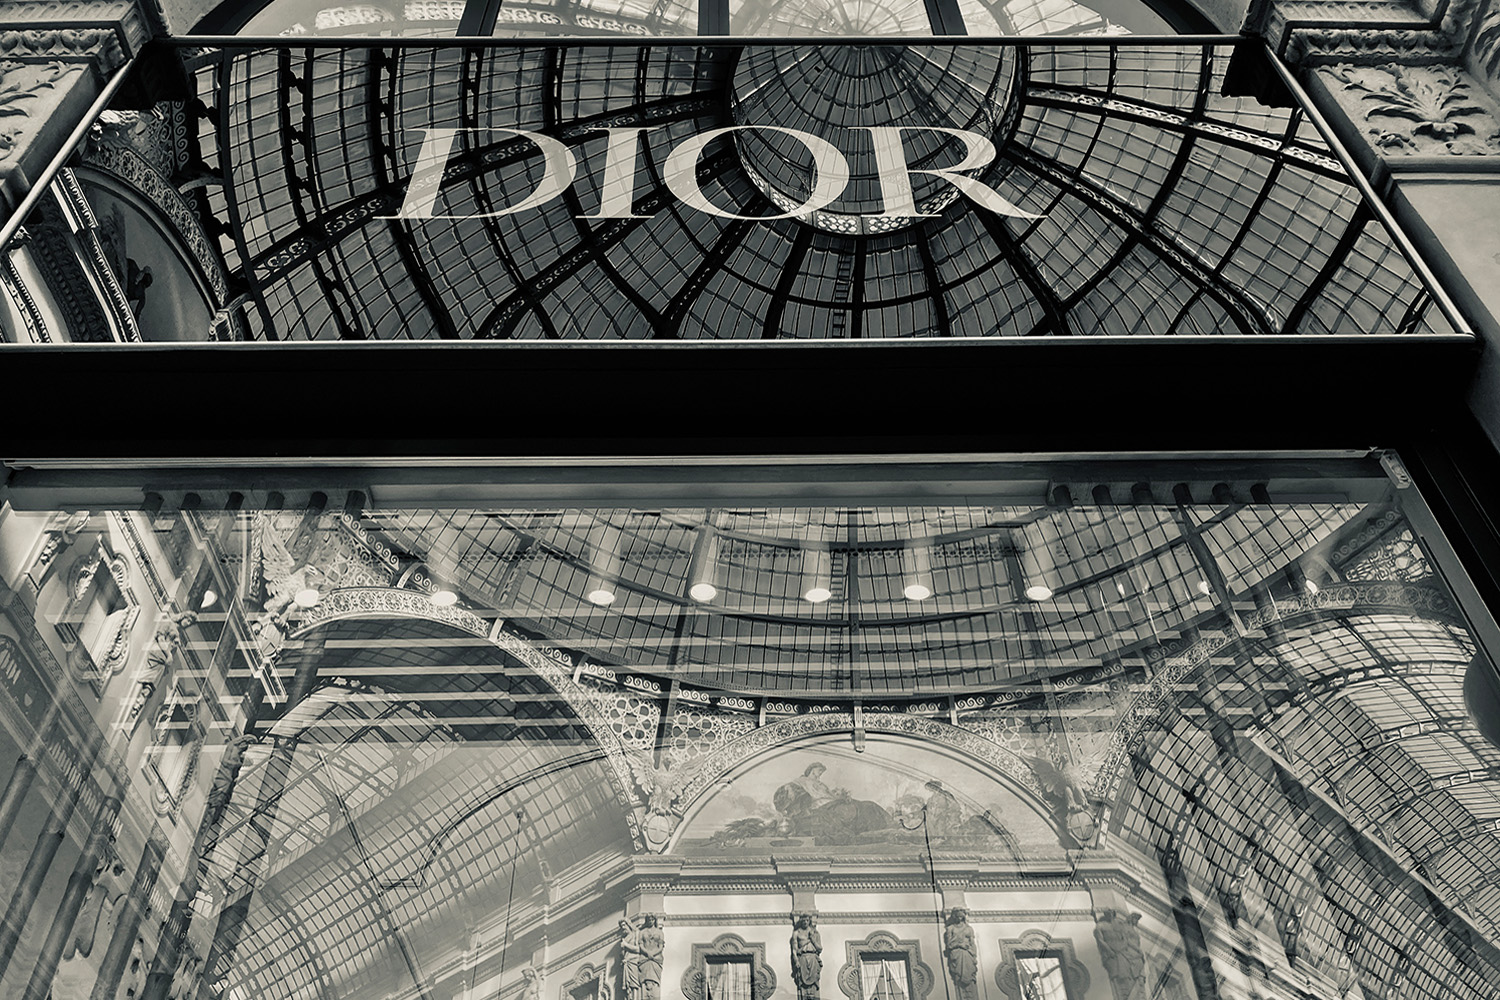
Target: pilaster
{"x": 55, "y": 57}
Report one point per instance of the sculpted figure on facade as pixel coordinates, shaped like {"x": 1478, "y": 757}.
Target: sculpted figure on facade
{"x": 653, "y": 944}
{"x": 531, "y": 984}
{"x": 96, "y": 917}
{"x": 1119, "y": 939}
{"x": 1064, "y": 789}
{"x": 807, "y": 956}
{"x": 631, "y": 954}
{"x": 962, "y": 954}
{"x": 1289, "y": 926}
{"x": 661, "y": 786}
{"x": 159, "y": 653}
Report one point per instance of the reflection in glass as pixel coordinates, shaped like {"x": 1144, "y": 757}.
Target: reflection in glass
{"x": 1181, "y": 766}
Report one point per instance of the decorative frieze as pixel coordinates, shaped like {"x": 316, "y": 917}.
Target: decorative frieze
{"x": 1416, "y": 110}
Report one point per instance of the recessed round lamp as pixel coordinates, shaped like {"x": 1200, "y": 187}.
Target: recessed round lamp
{"x": 703, "y": 565}
{"x": 209, "y": 600}
{"x": 916, "y": 571}
{"x": 306, "y": 598}
{"x": 1038, "y": 592}
{"x": 443, "y": 598}
{"x": 1034, "y": 554}
{"x": 817, "y": 574}
{"x": 604, "y": 564}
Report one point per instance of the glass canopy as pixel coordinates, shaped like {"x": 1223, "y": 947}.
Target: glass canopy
{"x": 1204, "y": 734}
{"x": 704, "y": 192}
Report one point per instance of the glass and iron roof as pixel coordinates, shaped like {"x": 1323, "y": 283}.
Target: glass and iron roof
{"x": 572, "y": 191}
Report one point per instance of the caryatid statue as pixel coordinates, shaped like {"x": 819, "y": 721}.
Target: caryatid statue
{"x": 807, "y": 955}
{"x": 630, "y": 961}
{"x": 653, "y": 943}
{"x": 1119, "y": 940}
{"x": 962, "y": 954}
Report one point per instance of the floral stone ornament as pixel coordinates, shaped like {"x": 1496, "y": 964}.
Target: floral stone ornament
{"x": 1422, "y": 109}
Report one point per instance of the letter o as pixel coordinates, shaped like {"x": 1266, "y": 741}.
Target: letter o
{"x": 680, "y": 172}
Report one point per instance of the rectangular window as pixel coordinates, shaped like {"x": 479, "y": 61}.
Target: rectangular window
{"x": 729, "y": 978}
{"x": 1041, "y": 975}
{"x": 884, "y": 977}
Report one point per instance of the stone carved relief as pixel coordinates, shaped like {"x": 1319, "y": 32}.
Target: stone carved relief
{"x": 1487, "y": 42}
{"x": 661, "y": 787}
{"x": 1032, "y": 942}
{"x": 588, "y": 983}
{"x": 1421, "y": 109}
{"x": 694, "y": 986}
{"x": 641, "y": 948}
{"x": 961, "y": 954}
{"x": 20, "y": 84}
{"x": 807, "y": 955}
{"x": 1118, "y": 935}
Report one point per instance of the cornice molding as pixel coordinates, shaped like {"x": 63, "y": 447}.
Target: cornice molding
{"x": 1367, "y": 32}
{"x": 104, "y": 33}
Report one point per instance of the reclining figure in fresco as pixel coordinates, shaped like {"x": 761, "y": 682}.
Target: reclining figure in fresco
{"x": 809, "y": 808}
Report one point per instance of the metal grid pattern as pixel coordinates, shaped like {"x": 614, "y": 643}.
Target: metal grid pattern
{"x": 430, "y": 783}
{"x": 1116, "y": 576}
{"x": 1166, "y": 208}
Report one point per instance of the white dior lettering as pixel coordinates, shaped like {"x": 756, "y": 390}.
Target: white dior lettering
{"x": 437, "y": 146}
{"x": 895, "y": 175}
{"x": 680, "y": 173}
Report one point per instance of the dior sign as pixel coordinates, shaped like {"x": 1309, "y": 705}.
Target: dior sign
{"x": 680, "y": 175}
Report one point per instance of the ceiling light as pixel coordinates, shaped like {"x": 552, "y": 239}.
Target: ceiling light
{"x": 1312, "y": 588}
{"x": 1038, "y": 569}
{"x": 916, "y": 571}
{"x": 307, "y": 598}
{"x": 604, "y": 564}
{"x": 817, "y": 574}
{"x": 1204, "y": 588}
{"x": 443, "y": 598}
{"x": 208, "y": 601}
{"x": 702, "y": 567}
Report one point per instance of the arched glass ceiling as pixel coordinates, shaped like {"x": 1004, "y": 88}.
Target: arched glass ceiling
{"x": 1136, "y": 198}
{"x": 653, "y": 18}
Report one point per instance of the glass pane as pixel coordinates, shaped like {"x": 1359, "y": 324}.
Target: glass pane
{"x": 763, "y": 192}
{"x": 1172, "y": 729}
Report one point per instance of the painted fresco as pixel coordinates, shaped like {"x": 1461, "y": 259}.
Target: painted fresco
{"x": 895, "y": 797}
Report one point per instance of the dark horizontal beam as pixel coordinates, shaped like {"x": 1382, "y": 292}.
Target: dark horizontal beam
{"x": 340, "y": 403}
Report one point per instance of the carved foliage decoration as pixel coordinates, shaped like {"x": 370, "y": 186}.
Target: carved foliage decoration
{"x": 884, "y": 943}
{"x": 728, "y": 946}
{"x": 1487, "y": 42}
{"x": 1032, "y": 942}
{"x": 20, "y": 84}
{"x": 1421, "y": 109}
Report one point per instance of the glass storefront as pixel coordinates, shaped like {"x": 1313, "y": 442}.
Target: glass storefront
{"x": 1038, "y": 731}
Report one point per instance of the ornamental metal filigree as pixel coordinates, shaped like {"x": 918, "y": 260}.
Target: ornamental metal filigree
{"x": 728, "y": 946}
